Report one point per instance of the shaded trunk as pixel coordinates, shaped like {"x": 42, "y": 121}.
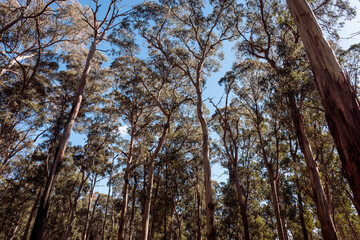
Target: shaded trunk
{"x": 198, "y": 198}
{"x": 132, "y": 209}
{"x": 124, "y": 205}
{"x": 301, "y": 210}
{"x": 107, "y": 200}
{"x": 88, "y": 236}
{"x": 88, "y": 208}
{"x": 33, "y": 209}
{"x": 146, "y": 214}
{"x": 121, "y": 235}
{"x": 210, "y": 206}
{"x": 342, "y": 108}
{"x": 73, "y": 210}
{"x": 242, "y": 203}
{"x": 273, "y": 184}
{"x": 327, "y": 225}
{"x": 41, "y": 216}
{"x": 276, "y": 205}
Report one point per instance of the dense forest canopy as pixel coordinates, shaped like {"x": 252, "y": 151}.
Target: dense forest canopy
{"x": 129, "y": 80}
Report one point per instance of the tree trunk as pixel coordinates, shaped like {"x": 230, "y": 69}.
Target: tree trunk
{"x": 198, "y": 198}
{"x": 108, "y": 200}
{"x": 88, "y": 208}
{"x": 276, "y": 205}
{"x": 301, "y": 210}
{"x": 273, "y": 184}
{"x": 327, "y": 225}
{"x": 87, "y": 235}
{"x": 124, "y": 205}
{"x": 242, "y": 203}
{"x": 132, "y": 209}
{"x": 40, "y": 219}
{"x": 33, "y": 209}
{"x": 146, "y": 216}
{"x": 73, "y": 210}
{"x": 342, "y": 108}
{"x": 210, "y": 206}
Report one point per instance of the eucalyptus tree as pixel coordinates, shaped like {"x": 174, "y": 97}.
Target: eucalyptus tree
{"x": 256, "y": 103}
{"x": 27, "y": 52}
{"x": 236, "y": 146}
{"x": 189, "y": 38}
{"x": 272, "y": 37}
{"x": 132, "y": 101}
{"x": 99, "y": 31}
{"x": 22, "y": 11}
{"x": 339, "y": 99}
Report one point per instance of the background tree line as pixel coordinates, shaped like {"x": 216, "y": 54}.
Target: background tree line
{"x": 286, "y": 129}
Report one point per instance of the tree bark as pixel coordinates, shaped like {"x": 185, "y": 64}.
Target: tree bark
{"x": 210, "y": 206}
{"x": 327, "y": 225}
{"x": 342, "y": 108}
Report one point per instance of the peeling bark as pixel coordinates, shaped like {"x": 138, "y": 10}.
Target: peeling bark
{"x": 342, "y": 108}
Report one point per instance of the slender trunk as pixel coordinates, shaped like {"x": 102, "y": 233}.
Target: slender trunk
{"x": 153, "y": 213}
{"x": 276, "y": 205}
{"x": 301, "y": 211}
{"x": 173, "y": 209}
{"x": 327, "y": 225}
{"x": 210, "y": 206}
{"x": 107, "y": 200}
{"x": 73, "y": 210}
{"x": 242, "y": 203}
{"x": 88, "y": 208}
{"x": 273, "y": 184}
{"x": 342, "y": 107}
{"x": 33, "y": 209}
{"x": 41, "y": 216}
{"x": 124, "y": 205}
{"x": 146, "y": 215}
{"x": 132, "y": 209}
{"x": 353, "y": 230}
{"x": 198, "y": 199}
{"x": 92, "y": 218}
{"x": 121, "y": 235}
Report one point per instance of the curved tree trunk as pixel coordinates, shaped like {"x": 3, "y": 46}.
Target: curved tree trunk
{"x": 342, "y": 108}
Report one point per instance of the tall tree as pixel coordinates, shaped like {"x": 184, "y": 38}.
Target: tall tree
{"x": 99, "y": 30}
{"x": 192, "y": 48}
{"x": 341, "y": 105}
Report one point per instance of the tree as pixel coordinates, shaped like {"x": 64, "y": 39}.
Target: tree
{"x": 341, "y": 105}
{"x": 100, "y": 29}
{"x": 192, "y": 48}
